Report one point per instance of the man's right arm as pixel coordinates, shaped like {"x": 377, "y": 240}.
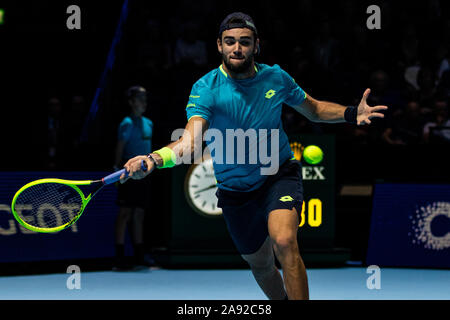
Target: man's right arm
{"x": 190, "y": 142}
{"x": 186, "y": 146}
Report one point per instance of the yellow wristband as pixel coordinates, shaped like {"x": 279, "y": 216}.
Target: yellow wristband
{"x": 169, "y": 157}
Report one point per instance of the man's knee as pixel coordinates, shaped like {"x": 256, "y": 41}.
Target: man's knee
{"x": 124, "y": 213}
{"x": 263, "y": 258}
{"x": 138, "y": 214}
{"x": 283, "y": 227}
{"x": 260, "y": 262}
{"x": 285, "y": 243}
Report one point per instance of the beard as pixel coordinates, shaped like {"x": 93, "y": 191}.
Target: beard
{"x": 244, "y": 67}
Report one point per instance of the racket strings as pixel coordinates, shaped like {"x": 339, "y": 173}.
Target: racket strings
{"x": 48, "y": 205}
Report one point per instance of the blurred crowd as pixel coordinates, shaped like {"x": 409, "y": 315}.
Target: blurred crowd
{"x": 325, "y": 46}
{"x": 330, "y": 52}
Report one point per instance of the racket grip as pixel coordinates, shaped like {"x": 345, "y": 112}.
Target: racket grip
{"x": 114, "y": 177}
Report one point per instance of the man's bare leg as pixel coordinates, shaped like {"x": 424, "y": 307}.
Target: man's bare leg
{"x": 283, "y": 226}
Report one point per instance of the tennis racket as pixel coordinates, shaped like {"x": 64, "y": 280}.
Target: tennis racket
{"x": 52, "y": 205}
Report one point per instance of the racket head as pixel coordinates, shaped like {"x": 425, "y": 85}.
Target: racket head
{"x": 51, "y": 204}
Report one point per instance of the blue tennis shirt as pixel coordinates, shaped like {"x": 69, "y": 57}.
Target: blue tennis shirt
{"x": 137, "y": 134}
{"x": 249, "y": 108}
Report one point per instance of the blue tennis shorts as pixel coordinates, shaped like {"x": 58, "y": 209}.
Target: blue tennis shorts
{"x": 246, "y": 213}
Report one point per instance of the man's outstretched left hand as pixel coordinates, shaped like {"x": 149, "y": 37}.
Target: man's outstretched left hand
{"x": 365, "y": 112}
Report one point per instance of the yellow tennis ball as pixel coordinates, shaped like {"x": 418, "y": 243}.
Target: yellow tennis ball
{"x": 313, "y": 154}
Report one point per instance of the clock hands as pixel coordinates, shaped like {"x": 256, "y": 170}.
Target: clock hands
{"x": 204, "y": 189}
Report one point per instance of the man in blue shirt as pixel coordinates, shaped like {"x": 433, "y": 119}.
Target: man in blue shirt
{"x": 252, "y": 104}
{"x": 260, "y": 195}
{"x": 134, "y": 138}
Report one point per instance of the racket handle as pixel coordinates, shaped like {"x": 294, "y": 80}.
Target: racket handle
{"x": 114, "y": 177}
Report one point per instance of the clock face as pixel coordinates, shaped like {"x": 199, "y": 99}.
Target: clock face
{"x": 200, "y": 189}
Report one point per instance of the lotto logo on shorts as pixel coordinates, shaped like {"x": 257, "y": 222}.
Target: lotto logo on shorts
{"x": 286, "y": 198}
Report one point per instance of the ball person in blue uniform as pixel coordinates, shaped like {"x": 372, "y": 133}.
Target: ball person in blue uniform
{"x": 261, "y": 210}
{"x": 134, "y": 138}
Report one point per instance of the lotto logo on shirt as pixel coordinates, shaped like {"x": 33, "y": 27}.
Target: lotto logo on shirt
{"x": 270, "y": 94}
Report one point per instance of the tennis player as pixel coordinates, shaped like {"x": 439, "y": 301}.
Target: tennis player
{"x": 261, "y": 211}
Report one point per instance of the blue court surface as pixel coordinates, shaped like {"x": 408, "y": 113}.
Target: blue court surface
{"x": 348, "y": 283}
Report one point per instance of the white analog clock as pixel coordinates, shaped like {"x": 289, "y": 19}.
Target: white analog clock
{"x": 200, "y": 188}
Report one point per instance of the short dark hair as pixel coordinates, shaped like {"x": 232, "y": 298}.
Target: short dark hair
{"x": 237, "y": 20}
{"x": 136, "y": 91}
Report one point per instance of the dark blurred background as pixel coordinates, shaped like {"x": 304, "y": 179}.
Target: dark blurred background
{"x": 50, "y": 75}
